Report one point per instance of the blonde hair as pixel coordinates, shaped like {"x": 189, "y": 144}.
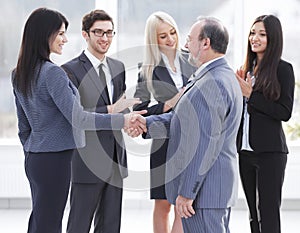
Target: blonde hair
{"x": 152, "y": 55}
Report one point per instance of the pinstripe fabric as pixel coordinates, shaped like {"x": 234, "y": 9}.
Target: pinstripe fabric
{"x": 202, "y": 157}
{"x": 45, "y": 120}
{"x": 208, "y": 221}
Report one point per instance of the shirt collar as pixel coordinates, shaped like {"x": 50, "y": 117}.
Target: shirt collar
{"x": 95, "y": 61}
{"x": 206, "y": 64}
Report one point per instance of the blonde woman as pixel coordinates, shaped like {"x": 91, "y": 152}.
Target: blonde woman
{"x": 163, "y": 75}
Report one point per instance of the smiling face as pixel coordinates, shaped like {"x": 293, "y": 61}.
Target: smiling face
{"x": 167, "y": 37}
{"x": 195, "y": 46}
{"x": 258, "y": 39}
{"x": 59, "y": 40}
{"x": 98, "y": 45}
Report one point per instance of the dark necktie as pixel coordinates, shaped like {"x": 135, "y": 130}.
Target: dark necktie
{"x": 103, "y": 80}
{"x": 190, "y": 82}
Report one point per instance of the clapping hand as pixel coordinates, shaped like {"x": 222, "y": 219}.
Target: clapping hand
{"x": 135, "y": 123}
{"x": 245, "y": 82}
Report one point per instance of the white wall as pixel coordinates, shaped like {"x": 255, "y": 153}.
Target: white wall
{"x": 15, "y": 192}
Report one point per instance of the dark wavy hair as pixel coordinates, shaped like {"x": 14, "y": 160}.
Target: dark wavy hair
{"x": 95, "y": 15}
{"x": 266, "y": 71}
{"x": 40, "y": 28}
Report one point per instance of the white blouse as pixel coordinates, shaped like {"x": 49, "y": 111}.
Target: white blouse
{"x": 245, "y": 138}
{"x": 176, "y": 76}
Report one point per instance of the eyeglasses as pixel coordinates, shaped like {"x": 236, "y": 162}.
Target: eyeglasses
{"x": 100, "y": 33}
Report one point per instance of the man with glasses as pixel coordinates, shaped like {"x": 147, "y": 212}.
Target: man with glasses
{"x": 98, "y": 169}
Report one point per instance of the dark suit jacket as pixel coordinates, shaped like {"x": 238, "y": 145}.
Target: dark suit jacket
{"x": 265, "y": 126}
{"x": 163, "y": 85}
{"x": 104, "y": 153}
{"x": 164, "y": 89}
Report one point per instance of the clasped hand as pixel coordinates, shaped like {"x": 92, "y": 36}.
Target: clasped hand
{"x": 135, "y": 123}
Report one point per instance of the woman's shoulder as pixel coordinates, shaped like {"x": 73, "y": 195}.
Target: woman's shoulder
{"x": 284, "y": 64}
{"x": 285, "y": 71}
{"x": 50, "y": 66}
{"x": 50, "y": 72}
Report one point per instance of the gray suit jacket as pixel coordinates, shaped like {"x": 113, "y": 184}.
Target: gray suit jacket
{"x": 202, "y": 155}
{"x": 104, "y": 154}
{"x": 52, "y": 119}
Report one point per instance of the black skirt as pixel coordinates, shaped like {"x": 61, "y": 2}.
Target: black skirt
{"x": 158, "y": 168}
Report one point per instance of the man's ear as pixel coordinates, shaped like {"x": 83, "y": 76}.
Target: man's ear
{"x": 206, "y": 42}
{"x": 84, "y": 34}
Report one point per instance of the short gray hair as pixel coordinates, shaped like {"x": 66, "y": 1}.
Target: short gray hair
{"x": 216, "y": 32}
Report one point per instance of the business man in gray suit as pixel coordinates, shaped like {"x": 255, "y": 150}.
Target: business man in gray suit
{"x": 98, "y": 169}
{"x": 201, "y": 169}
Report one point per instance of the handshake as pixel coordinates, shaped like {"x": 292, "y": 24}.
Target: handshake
{"x": 135, "y": 123}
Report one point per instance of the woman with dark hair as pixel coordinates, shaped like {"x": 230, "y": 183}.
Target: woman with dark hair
{"x": 51, "y": 120}
{"x": 267, "y": 83}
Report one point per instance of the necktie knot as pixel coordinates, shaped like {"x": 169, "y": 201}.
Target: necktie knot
{"x": 100, "y": 67}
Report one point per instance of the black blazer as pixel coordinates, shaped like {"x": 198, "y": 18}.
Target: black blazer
{"x": 104, "y": 150}
{"x": 164, "y": 89}
{"x": 163, "y": 86}
{"x": 265, "y": 123}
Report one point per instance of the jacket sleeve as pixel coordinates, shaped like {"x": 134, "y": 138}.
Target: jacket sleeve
{"x": 23, "y": 123}
{"x": 66, "y": 97}
{"x": 144, "y": 94}
{"x": 282, "y": 108}
{"x": 158, "y": 126}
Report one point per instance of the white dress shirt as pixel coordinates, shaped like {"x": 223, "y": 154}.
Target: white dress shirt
{"x": 96, "y": 62}
{"x": 202, "y": 67}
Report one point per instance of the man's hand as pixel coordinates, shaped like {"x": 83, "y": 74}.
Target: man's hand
{"x": 135, "y": 124}
{"x": 122, "y": 104}
{"x": 184, "y": 207}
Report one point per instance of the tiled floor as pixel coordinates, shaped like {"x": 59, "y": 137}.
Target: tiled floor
{"x": 139, "y": 220}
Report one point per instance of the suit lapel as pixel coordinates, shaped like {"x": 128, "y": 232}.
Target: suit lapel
{"x": 202, "y": 73}
{"x": 92, "y": 74}
{"x": 161, "y": 72}
{"x": 115, "y": 72}
{"x": 206, "y": 69}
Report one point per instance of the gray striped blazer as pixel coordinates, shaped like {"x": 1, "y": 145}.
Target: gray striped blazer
{"x": 52, "y": 119}
{"x": 202, "y": 129}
